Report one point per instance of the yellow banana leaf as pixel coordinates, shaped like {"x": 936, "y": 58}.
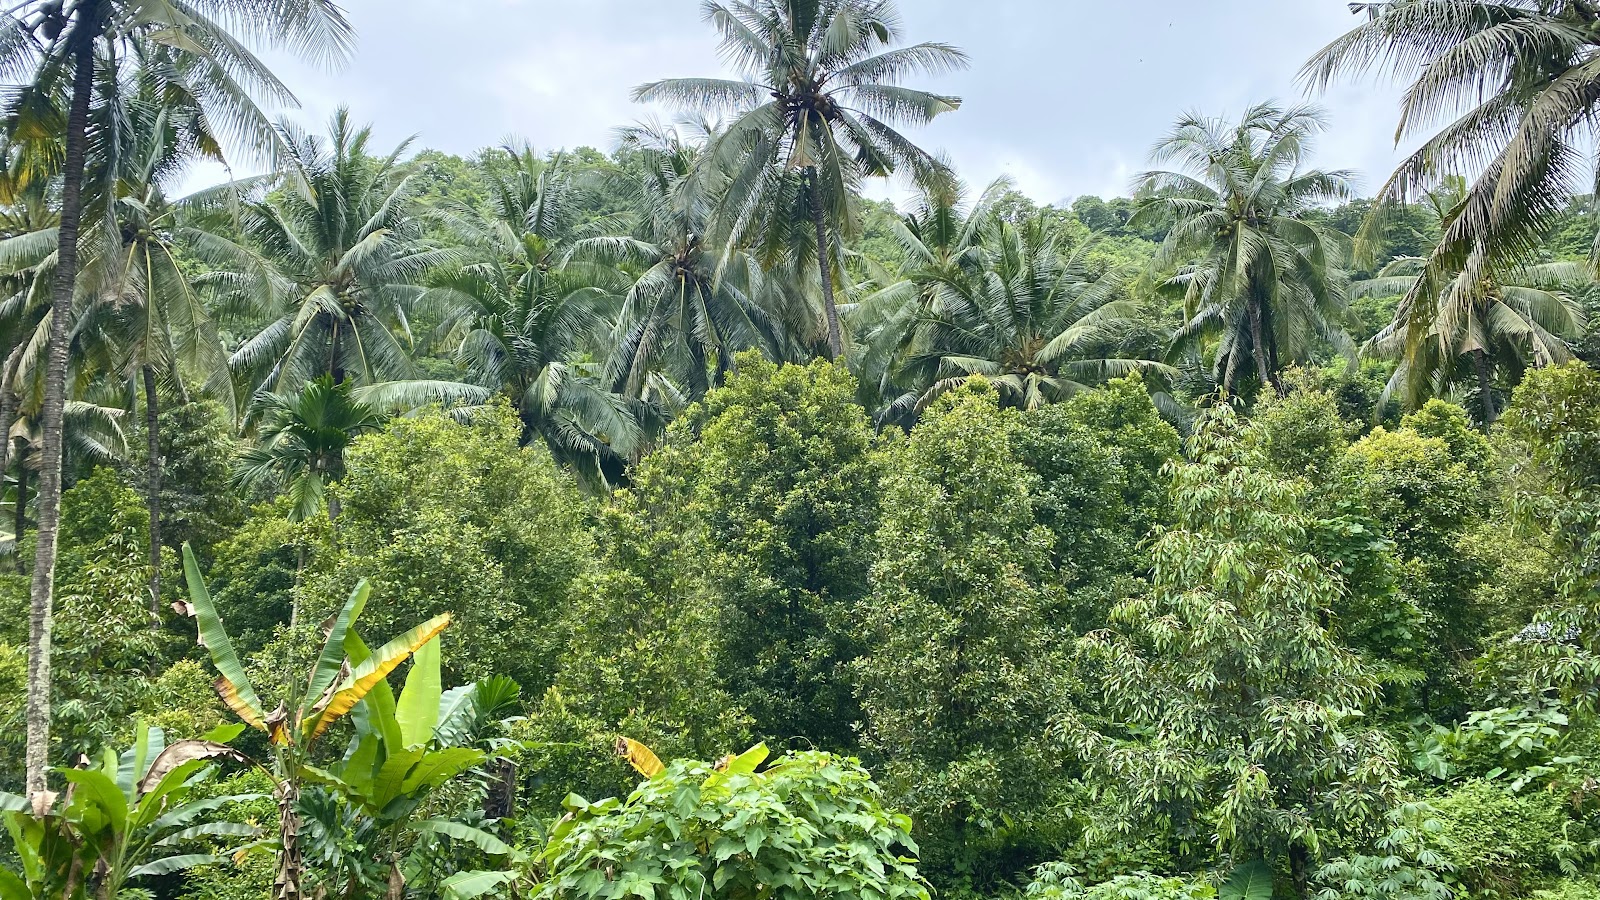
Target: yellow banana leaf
{"x": 643, "y": 760}
{"x": 366, "y": 675}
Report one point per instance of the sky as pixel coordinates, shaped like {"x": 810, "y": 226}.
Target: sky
{"x": 1064, "y": 96}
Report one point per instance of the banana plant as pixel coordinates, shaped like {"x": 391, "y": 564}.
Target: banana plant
{"x": 344, "y": 675}
{"x": 402, "y": 752}
{"x": 133, "y": 815}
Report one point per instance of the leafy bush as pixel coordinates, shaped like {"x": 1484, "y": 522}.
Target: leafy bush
{"x": 1498, "y": 843}
{"x": 809, "y": 827}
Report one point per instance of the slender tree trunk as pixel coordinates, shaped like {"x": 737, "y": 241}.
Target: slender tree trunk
{"x": 55, "y": 391}
{"x": 1258, "y": 348}
{"x": 152, "y": 472}
{"x": 1480, "y": 365}
{"x": 19, "y": 523}
{"x": 8, "y": 405}
{"x": 825, "y": 265}
{"x": 8, "y": 416}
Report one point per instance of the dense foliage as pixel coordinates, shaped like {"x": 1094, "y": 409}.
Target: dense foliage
{"x": 1235, "y": 540}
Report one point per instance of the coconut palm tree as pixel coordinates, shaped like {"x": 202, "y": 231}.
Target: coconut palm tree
{"x": 331, "y": 262}
{"x": 1036, "y": 322}
{"x": 1258, "y": 277}
{"x": 526, "y": 321}
{"x": 139, "y": 314}
{"x": 62, "y": 42}
{"x": 942, "y": 240}
{"x": 1506, "y": 327}
{"x": 1506, "y": 92}
{"x": 819, "y": 112}
{"x": 691, "y": 304}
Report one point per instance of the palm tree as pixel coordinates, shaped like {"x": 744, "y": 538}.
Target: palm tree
{"x": 525, "y": 321}
{"x": 331, "y": 263}
{"x": 1257, "y": 276}
{"x": 301, "y": 444}
{"x": 942, "y": 239}
{"x": 689, "y": 305}
{"x": 1507, "y": 91}
{"x": 1036, "y": 322}
{"x": 823, "y": 101}
{"x": 139, "y": 309}
{"x": 1504, "y": 327}
{"x": 63, "y": 42}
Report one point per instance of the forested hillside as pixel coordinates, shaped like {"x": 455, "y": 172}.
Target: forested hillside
{"x": 674, "y": 520}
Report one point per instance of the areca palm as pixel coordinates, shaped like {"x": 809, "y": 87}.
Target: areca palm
{"x": 1257, "y": 276}
{"x": 59, "y": 43}
{"x": 1524, "y": 321}
{"x": 690, "y": 305}
{"x": 300, "y": 448}
{"x": 1037, "y": 322}
{"x": 524, "y": 320}
{"x": 331, "y": 263}
{"x": 820, "y": 111}
{"x": 1507, "y": 91}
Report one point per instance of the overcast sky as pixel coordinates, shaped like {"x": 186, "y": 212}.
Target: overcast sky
{"x": 1065, "y": 96}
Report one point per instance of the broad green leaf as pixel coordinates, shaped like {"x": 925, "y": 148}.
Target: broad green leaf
{"x": 369, "y": 673}
{"x": 418, "y": 709}
{"x": 176, "y": 864}
{"x": 223, "y": 734}
{"x": 440, "y": 766}
{"x": 212, "y": 829}
{"x": 14, "y": 803}
{"x": 191, "y": 811}
{"x": 331, "y": 660}
{"x": 95, "y": 790}
{"x": 391, "y": 777}
{"x": 1251, "y": 881}
{"x": 12, "y": 887}
{"x": 467, "y": 885}
{"x": 234, "y": 686}
{"x": 378, "y": 706}
{"x": 479, "y": 838}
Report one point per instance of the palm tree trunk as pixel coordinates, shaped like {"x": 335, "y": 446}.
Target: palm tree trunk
{"x": 8, "y": 416}
{"x": 19, "y": 522}
{"x": 825, "y": 265}
{"x": 55, "y": 399}
{"x": 1258, "y": 349}
{"x": 1480, "y": 365}
{"x": 8, "y": 406}
{"x": 152, "y": 427}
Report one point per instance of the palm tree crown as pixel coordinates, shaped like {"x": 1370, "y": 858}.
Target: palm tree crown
{"x": 1257, "y": 275}
{"x": 823, "y": 101}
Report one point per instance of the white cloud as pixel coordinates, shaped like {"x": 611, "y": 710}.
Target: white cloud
{"x": 1066, "y": 96}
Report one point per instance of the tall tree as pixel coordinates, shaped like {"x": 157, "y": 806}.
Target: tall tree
{"x": 691, "y": 306}
{"x": 302, "y": 442}
{"x": 1522, "y": 320}
{"x": 525, "y": 320}
{"x": 1258, "y": 275}
{"x": 1238, "y": 711}
{"x": 1507, "y": 92}
{"x": 1502, "y": 323}
{"x": 819, "y": 112}
{"x": 331, "y": 262}
{"x": 140, "y": 311}
{"x": 62, "y": 41}
{"x": 1038, "y": 323}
